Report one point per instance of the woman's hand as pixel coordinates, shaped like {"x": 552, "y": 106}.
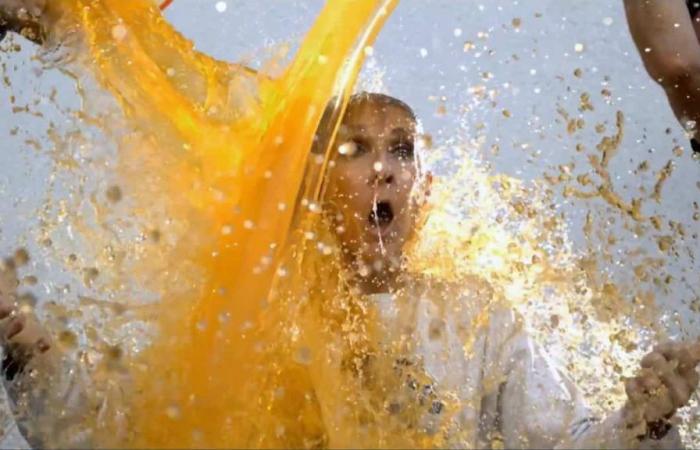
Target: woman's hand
{"x": 665, "y": 383}
{"x": 21, "y": 335}
{"x": 26, "y": 17}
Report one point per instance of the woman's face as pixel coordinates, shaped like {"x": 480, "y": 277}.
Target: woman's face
{"x": 370, "y": 182}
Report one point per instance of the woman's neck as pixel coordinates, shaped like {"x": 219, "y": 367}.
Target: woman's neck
{"x": 386, "y": 281}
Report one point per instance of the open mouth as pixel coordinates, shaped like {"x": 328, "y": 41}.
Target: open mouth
{"x": 382, "y": 214}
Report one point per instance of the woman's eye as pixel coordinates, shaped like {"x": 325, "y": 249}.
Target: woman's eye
{"x": 403, "y": 151}
{"x": 350, "y": 149}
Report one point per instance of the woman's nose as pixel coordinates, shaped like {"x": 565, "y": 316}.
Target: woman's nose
{"x": 381, "y": 173}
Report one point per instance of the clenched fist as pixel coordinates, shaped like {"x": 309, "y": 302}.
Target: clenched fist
{"x": 665, "y": 383}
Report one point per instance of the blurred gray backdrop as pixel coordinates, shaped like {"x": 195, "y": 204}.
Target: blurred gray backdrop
{"x": 433, "y": 53}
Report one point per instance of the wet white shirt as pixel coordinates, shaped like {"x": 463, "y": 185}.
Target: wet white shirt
{"x": 507, "y": 390}
{"x": 479, "y": 358}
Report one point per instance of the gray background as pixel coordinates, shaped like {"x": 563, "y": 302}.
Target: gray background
{"x": 422, "y": 57}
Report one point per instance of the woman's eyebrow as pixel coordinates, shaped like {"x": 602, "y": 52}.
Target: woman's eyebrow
{"x": 402, "y": 132}
{"x": 358, "y": 137}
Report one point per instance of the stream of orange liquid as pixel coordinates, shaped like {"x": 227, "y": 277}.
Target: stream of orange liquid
{"x": 234, "y": 146}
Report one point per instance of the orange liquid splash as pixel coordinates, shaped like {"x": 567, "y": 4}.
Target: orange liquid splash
{"x": 232, "y": 146}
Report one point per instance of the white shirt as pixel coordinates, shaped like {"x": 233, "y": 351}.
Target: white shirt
{"x": 447, "y": 369}
{"x": 472, "y": 379}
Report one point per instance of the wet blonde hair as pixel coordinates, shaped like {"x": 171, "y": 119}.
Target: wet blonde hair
{"x": 329, "y": 119}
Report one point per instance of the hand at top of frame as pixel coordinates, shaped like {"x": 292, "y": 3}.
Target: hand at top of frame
{"x": 26, "y": 17}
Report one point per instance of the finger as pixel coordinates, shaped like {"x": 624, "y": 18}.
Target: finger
{"x": 649, "y": 381}
{"x": 678, "y": 389}
{"x": 686, "y": 359}
{"x": 31, "y": 333}
{"x": 15, "y": 326}
{"x": 659, "y": 406}
{"x": 694, "y": 352}
{"x": 5, "y": 310}
{"x": 691, "y": 377}
{"x": 670, "y": 350}
{"x": 654, "y": 360}
{"x": 634, "y": 391}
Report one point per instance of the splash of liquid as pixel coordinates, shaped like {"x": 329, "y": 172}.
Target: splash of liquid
{"x": 226, "y": 151}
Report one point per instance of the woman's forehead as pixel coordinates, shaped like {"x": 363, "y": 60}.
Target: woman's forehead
{"x": 369, "y": 116}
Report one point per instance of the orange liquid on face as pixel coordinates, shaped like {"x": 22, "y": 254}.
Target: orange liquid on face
{"x": 230, "y": 149}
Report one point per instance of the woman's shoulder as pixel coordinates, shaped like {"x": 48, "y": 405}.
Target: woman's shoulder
{"x": 471, "y": 300}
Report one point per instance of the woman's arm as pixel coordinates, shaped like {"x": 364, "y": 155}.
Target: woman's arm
{"x": 538, "y": 406}
{"x": 157, "y": 75}
{"x": 665, "y": 35}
